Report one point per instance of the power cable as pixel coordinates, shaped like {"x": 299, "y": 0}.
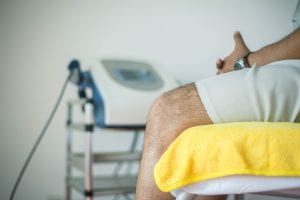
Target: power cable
{"x": 40, "y": 137}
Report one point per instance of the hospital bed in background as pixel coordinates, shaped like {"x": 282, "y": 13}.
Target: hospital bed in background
{"x": 114, "y": 96}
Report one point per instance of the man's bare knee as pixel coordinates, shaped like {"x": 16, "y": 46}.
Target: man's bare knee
{"x": 179, "y": 104}
{"x": 175, "y": 111}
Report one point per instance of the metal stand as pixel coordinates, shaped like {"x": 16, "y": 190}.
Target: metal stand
{"x": 89, "y": 185}
{"x": 239, "y": 197}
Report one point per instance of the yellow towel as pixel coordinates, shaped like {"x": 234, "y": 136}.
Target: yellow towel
{"x": 212, "y": 151}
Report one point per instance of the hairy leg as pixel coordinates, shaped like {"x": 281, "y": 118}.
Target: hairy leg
{"x": 172, "y": 113}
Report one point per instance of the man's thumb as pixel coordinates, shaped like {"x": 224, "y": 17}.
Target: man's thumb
{"x": 239, "y": 41}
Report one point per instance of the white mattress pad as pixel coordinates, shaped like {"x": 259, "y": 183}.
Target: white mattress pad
{"x": 240, "y": 184}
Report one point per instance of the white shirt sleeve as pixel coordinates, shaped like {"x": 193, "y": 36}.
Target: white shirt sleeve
{"x": 296, "y": 17}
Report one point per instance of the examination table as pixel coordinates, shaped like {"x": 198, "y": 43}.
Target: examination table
{"x": 232, "y": 158}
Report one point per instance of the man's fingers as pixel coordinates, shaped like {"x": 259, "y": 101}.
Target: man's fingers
{"x": 219, "y": 72}
{"x": 219, "y": 63}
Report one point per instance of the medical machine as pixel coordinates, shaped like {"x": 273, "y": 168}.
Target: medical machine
{"x": 122, "y": 90}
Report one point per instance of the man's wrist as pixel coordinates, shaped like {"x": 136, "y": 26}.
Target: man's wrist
{"x": 250, "y": 58}
{"x": 242, "y": 62}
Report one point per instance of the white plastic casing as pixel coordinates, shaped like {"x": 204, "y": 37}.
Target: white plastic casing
{"x": 124, "y": 105}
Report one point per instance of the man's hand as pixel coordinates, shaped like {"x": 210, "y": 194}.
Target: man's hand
{"x": 240, "y": 50}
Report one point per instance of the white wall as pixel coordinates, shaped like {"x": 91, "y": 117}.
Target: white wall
{"x": 39, "y": 38}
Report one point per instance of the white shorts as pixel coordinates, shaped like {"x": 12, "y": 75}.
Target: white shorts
{"x": 267, "y": 93}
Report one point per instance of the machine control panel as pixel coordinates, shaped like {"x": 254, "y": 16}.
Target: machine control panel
{"x": 135, "y": 75}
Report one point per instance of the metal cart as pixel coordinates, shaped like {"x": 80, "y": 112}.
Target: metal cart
{"x": 89, "y": 185}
